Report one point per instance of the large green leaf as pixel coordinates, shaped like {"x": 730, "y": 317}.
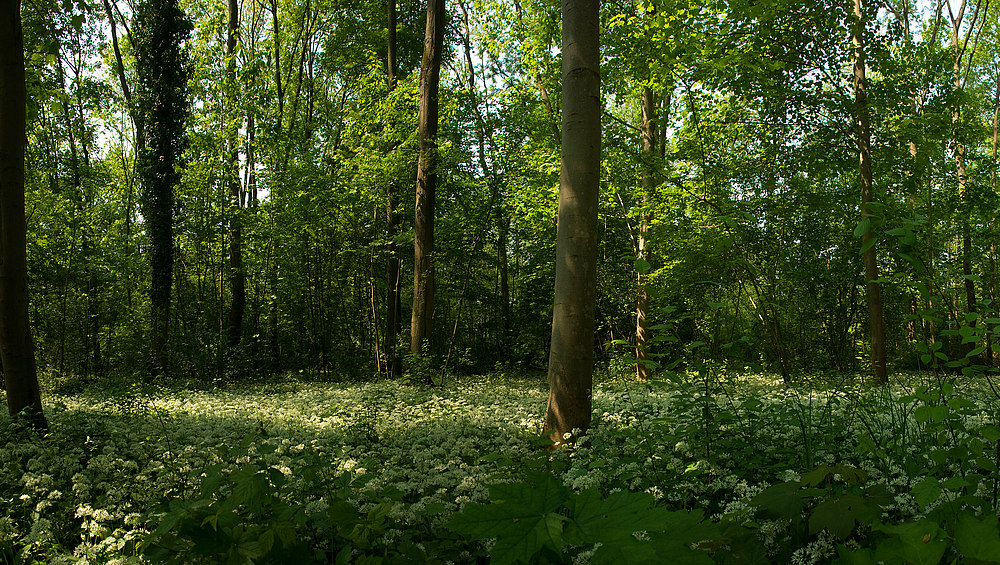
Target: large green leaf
{"x": 783, "y": 500}
{"x": 838, "y": 515}
{"x": 614, "y": 520}
{"x": 523, "y": 519}
{"x": 978, "y": 538}
{"x": 918, "y": 543}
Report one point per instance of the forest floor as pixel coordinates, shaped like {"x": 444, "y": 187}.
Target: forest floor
{"x": 353, "y": 471}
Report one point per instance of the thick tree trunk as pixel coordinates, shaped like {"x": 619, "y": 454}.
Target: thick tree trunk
{"x": 423, "y": 240}
{"x": 649, "y": 131}
{"x": 17, "y": 352}
{"x": 160, "y": 60}
{"x": 863, "y": 131}
{"x": 237, "y": 277}
{"x": 571, "y": 356}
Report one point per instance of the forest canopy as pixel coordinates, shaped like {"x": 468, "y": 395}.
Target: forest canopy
{"x": 738, "y": 216}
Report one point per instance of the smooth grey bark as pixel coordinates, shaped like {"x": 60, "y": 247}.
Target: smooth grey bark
{"x": 571, "y": 356}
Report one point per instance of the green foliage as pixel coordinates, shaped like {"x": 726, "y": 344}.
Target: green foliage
{"x": 541, "y": 519}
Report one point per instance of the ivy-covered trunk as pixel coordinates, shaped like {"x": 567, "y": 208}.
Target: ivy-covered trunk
{"x": 162, "y": 69}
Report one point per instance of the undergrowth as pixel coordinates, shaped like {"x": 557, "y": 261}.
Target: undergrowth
{"x": 703, "y": 467}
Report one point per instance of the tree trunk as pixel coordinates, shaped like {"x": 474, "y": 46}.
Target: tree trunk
{"x": 960, "y": 47}
{"x": 863, "y": 131}
{"x": 504, "y": 274}
{"x": 278, "y": 89}
{"x": 393, "y": 304}
{"x": 160, "y": 61}
{"x": 237, "y": 277}
{"x": 423, "y": 240}
{"x": 571, "y": 356}
{"x": 649, "y": 131}
{"x": 17, "y": 351}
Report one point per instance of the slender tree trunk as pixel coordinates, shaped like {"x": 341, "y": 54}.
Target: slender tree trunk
{"x": 17, "y": 351}
{"x": 993, "y": 248}
{"x": 237, "y": 276}
{"x": 393, "y": 304}
{"x": 504, "y": 267}
{"x": 960, "y": 48}
{"x": 863, "y": 131}
{"x": 423, "y": 241}
{"x": 649, "y": 129}
{"x": 571, "y": 356}
{"x": 278, "y": 89}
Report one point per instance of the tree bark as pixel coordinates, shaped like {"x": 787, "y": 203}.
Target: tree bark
{"x": 393, "y": 304}
{"x": 863, "y": 132}
{"x": 237, "y": 276}
{"x": 162, "y": 69}
{"x": 649, "y": 131}
{"x": 503, "y": 264}
{"x": 571, "y": 356}
{"x": 959, "y": 46}
{"x": 423, "y": 240}
{"x": 17, "y": 351}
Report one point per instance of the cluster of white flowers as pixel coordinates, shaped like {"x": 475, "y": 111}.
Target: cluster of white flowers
{"x": 422, "y": 450}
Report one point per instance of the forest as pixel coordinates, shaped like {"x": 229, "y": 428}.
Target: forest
{"x": 499, "y": 281}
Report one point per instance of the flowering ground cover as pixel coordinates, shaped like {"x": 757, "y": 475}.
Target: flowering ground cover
{"x": 710, "y": 469}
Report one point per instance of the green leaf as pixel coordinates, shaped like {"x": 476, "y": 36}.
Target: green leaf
{"x": 990, "y": 432}
{"x": 838, "y": 516}
{"x": 642, "y": 266}
{"x": 916, "y": 542}
{"x": 867, "y": 245}
{"x": 975, "y": 351}
{"x": 926, "y": 491}
{"x": 978, "y": 538}
{"x": 523, "y": 519}
{"x": 782, "y": 500}
{"x": 862, "y": 227}
{"x": 817, "y": 476}
{"x": 612, "y": 522}
{"x": 955, "y": 483}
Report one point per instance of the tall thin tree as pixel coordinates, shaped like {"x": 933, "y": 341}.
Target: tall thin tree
{"x": 237, "y": 277}
{"x": 17, "y": 351}
{"x": 423, "y": 239}
{"x": 864, "y": 136}
{"x": 571, "y": 356}
{"x": 393, "y": 305}
{"x": 649, "y": 132}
